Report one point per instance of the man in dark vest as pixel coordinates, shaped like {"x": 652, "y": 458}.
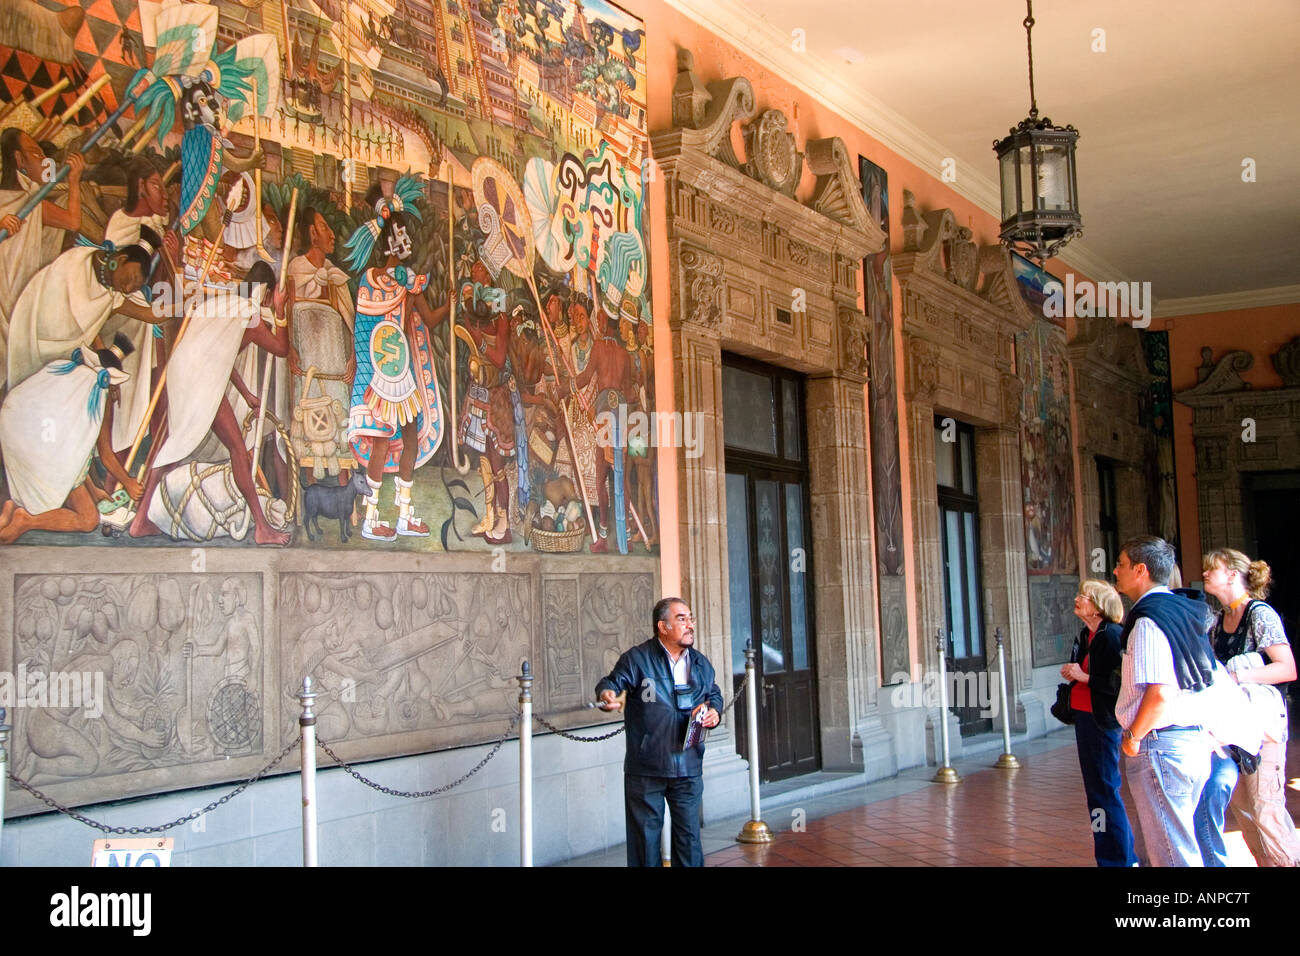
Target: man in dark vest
{"x": 1163, "y": 706}
{"x": 668, "y": 683}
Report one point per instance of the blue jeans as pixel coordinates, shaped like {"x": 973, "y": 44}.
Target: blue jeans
{"x": 1212, "y": 809}
{"x": 1112, "y": 838}
{"x": 1166, "y": 779}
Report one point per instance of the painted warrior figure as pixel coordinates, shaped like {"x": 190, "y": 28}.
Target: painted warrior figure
{"x": 396, "y": 422}
{"x": 487, "y": 423}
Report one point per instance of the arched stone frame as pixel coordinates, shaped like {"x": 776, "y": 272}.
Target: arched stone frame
{"x": 961, "y": 312}
{"x": 740, "y": 246}
{"x": 1221, "y": 402}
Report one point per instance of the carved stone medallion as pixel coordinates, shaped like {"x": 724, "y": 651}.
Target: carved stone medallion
{"x": 773, "y": 157}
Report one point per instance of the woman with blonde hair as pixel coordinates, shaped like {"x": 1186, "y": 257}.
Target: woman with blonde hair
{"x": 1094, "y": 670}
{"x": 1249, "y": 640}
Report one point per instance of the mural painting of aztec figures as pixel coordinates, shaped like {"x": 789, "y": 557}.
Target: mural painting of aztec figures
{"x": 339, "y": 275}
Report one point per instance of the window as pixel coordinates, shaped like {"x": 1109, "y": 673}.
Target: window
{"x": 1107, "y": 513}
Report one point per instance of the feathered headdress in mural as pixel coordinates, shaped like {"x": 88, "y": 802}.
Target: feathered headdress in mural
{"x": 361, "y": 243}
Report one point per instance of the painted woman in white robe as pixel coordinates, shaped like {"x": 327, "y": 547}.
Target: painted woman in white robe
{"x": 51, "y": 425}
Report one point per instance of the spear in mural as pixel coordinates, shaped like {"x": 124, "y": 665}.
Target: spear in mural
{"x": 51, "y": 126}
{"x": 257, "y": 176}
{"x": 462, "y": 466}
{"x": 270, "y": 359}
{"x": 35, "y": 103}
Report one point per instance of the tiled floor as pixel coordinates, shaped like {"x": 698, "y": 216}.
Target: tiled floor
{"x": 1034, "y": 816}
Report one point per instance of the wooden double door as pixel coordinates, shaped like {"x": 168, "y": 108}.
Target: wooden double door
{"x": 770, "y": 561}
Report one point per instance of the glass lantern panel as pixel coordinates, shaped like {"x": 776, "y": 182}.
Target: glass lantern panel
{"x": 1009, "y": 192}
{"x": 1053, "y": 177}
{"x": 1026, "y": 195}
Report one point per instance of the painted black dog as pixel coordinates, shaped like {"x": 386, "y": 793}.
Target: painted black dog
{"x": 323, "y": 500}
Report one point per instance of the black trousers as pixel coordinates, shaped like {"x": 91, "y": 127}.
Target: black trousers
{"x": 643, "y": 798}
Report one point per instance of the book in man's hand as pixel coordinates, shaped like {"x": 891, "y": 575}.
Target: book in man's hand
{"x": 695, "y": 729}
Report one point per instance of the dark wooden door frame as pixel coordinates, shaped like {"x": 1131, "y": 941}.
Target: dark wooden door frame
{"x": 782, "y": 469}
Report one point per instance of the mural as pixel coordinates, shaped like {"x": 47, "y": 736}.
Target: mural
{"x": 1047, "y": 477}
{"x": 891, "y": 561}
{"x": 344, "y": 275}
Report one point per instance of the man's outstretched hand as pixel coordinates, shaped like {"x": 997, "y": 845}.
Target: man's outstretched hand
{"x": 608, "y": 701}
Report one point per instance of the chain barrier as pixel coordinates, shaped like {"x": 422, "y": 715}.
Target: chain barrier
{"x": 181, "y": 821}
{"x": 421, "y": 793}
{"x": 614, "y": 733}
{"x": 105, "y": 828}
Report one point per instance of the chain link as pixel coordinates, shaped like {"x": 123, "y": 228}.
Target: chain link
{"x": 614, "y": 733}
{"x": 568, "y": 736}
{"x": 105, "y": 828}
{"x": 422, "y": 793}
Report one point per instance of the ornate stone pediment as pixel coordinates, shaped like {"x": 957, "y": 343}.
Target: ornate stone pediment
{"x": 839, "y": 192}
{"x": 1218, "y": 378}
{"x": 942, "y": 263}
{"x": 697, "y": 152}
{"x": 705, "y": 112}
{"x": 1110, "y": 349}
{"x": 1286, "y": 361}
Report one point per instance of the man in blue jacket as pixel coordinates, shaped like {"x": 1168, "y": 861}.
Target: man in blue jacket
{"x": 667, "y": 682}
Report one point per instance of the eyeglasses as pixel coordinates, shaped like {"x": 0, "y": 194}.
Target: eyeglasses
{"x": 689, "y": 619}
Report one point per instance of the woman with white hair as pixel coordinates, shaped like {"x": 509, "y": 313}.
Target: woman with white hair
{"x": 1094, "y": 670}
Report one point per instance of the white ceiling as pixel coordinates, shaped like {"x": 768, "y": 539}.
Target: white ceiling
{"x": 1184, "y": 91}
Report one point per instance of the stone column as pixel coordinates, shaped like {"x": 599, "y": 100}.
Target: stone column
{"x": 847, "y": 659}
{"x": 702, "y": 506}
{"x": 930, "y": 615}
{"x": 1003, "y": 567}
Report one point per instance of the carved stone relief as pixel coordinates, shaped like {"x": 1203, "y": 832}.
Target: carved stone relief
{"x": 1286, "y": 361}
{"x": 703, "y": 288}
{"x": 394, "y": 653}
{"x": 774, "y": 159}
{"x": 177, "y": 660}
{"x": 854, "y": 337}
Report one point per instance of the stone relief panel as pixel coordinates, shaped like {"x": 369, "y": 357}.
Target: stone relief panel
{"x": 393, "y": 653}
{"x": 143, "y": 672}
{"x": 563, "y": 643}
{"x": 1052, "y": 621}
{"x": 615, "y": 615}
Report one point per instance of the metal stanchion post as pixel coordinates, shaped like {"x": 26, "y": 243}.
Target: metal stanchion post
{"x": 307, "y": 724}
{"x": 1008, "y": 760}
{"x": 526, "y": 765}
{"x": 945, "y": 773}
{"x": 666, "y": 838}
{"x": 755, "y": 830}
{"x": 4, "y": 771}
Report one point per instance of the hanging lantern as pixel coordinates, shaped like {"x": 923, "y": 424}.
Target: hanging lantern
{"x": 1037, "y": 172}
